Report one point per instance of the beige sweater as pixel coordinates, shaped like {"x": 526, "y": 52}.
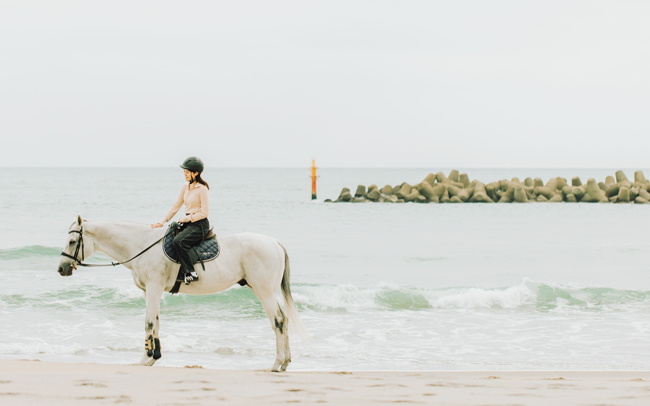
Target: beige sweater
{"x": 197, "y": 202}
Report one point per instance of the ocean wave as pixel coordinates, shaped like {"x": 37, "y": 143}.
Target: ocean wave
{"x": 526, "y": 294}
{"x": 39, "y": 257}
{"x": 29, "y": 251}
{"x": 241, "y": 302}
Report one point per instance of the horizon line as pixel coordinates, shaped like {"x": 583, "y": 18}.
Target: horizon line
{"x": 323, "y": 167}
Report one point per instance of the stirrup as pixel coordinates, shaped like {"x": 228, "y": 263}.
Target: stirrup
{"x": 190, "y": 277}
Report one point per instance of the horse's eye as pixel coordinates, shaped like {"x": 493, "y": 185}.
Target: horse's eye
{"x": 71, "y": 242}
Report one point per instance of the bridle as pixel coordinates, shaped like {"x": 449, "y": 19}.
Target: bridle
{"x": 80, "y": 246}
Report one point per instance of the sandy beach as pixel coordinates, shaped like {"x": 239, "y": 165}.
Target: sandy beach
{"x": 24, "y": 382}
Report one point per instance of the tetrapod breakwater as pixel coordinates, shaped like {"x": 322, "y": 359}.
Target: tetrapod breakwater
{"x": 458, "y": 188}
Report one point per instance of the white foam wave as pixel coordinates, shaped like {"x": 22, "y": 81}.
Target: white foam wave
{"x": 393, "y": 297}
{"x": 341, "y": 297}
{"x": 510, "y": 298}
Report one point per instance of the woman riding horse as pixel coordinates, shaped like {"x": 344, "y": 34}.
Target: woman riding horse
{"x": 195, "y": 225}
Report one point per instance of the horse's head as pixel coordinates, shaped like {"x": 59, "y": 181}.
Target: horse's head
{"x": 75, "y": 250}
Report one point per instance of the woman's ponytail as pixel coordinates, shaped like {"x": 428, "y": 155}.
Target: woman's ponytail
{"x": 201, "y": 181}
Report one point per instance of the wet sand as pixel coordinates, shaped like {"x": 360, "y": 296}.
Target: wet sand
{"x": 48, "y": 383}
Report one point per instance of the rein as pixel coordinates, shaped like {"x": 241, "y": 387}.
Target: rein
{"x": 80, "y": 244}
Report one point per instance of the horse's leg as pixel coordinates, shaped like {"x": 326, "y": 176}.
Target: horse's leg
{"x": 285, "y": 335}
{"x": 152, "y": 324}
{"x": 279, "y": 323}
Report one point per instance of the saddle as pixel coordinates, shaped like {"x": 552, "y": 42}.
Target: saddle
{"x": 206, "y": 251}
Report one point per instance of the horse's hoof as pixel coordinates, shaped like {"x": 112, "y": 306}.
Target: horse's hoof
{"x": 147, "y": 361}
{"x": 144, "y": 359}
{"x": 276, "y": 367}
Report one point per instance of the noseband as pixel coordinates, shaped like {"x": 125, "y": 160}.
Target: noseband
{"x": 80, "y": 246}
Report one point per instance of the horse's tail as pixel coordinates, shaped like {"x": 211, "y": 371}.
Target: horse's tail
{"x": 295, "y": 324}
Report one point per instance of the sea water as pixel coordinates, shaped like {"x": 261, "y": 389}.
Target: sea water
{"x": 378, "y": 286}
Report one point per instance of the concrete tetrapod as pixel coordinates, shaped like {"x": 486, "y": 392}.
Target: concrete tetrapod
{"x": 520, "y": 194}
{"x": 640, "y": 181}
{"x": 374, "y": 195}
{"x": 441, "y": 178}
{"x": 404, "y": 190}
{"x": 462, "y": 194}
{"x": 440, "y": 190}
{"x": 343, "y": 192}
{"x": 490, "y": 189}
{"x": 508, "y": 196}
{"x": 639, "y": 177}
{"x": 561, "y": 183}
{"x": 623, "y": 195}
{"x": 464, "y": 179}
{"x": 644, "y": 194}
{"x": 622, "y": 180}
{"x": 594, "y": 193}
{"x": 427, "y": 191}
{"x": 430, "y": 179}
{"x": 612, "y": 189}
{"x": 620, "y": 177}
{"x": 576, "y": 191}
{"x": 480, "y": 194}
{"x": 553, "y": 184}
{"x": 545, "y": 191}
{"x": 413, "y": 196}
{"x": 361, "y": 191}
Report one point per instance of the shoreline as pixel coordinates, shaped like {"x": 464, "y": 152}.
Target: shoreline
{"x": 25, "y": 382}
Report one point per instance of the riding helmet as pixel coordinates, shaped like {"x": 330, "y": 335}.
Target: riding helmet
{"x": 193, "y": 164}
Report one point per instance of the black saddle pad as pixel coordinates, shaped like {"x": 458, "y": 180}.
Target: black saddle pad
{"x": 208, "y": 249}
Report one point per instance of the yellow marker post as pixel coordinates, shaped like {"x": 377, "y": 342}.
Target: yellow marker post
{"x": 313, "y": 180}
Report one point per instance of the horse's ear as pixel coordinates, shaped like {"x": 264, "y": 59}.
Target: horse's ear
{"x": 79, "y": 220}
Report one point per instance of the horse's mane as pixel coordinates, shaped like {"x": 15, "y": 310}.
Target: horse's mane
{"x": 141, "y": 227}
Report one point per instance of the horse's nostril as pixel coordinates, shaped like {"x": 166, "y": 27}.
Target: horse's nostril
{"x": 60, "y": 269}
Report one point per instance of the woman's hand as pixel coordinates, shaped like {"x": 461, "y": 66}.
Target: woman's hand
{"x": 157, "y": 225}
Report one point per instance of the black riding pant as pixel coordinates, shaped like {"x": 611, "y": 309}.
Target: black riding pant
{"x": 191, "y": 235}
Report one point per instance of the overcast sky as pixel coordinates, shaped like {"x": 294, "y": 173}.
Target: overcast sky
{"x": 376, "y": 83}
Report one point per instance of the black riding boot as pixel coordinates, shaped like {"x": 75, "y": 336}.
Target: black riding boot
{"x": 190, "y": 235}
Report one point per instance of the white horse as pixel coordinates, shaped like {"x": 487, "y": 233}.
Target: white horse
{"x": 258, "y": 259}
